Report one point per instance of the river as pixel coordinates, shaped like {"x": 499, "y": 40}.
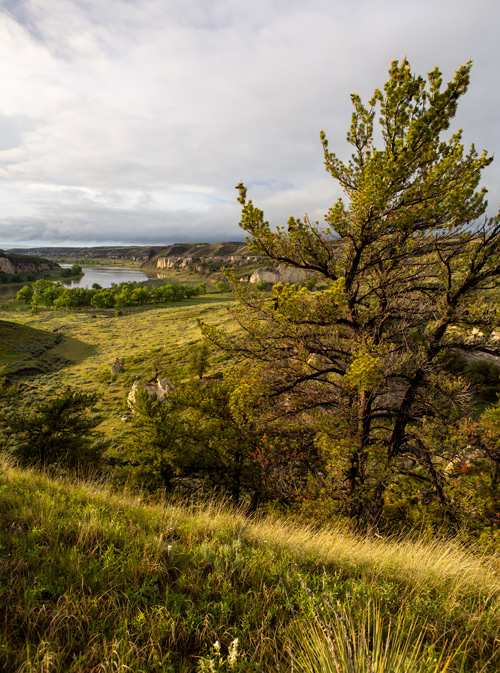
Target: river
{"x": 105, "y": 276}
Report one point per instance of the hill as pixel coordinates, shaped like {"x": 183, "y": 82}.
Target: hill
{"x": 94, "y": 580}
{"x": 24, "y": 349}
{"x": 133, "y": 252}
{"x": 146, "y": 254}
{"x": 53, "y": 349}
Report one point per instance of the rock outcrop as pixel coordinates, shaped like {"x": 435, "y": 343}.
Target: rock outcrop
{"x": 161, "y": 390}
{"x": 117, "y": 366}
{"x": 11, "y": 264}
{"x": 280, "y": 274}
{"x": 201, "y": 264}
{"x": 174, "y": 262}
{"x": 6, "y": 265}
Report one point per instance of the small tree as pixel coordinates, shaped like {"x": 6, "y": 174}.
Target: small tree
{"x": 408, "y": 263}
{"x": 25, "y": 294}
{"x": 223, "y": 286}
{"x": 157, "y": 447}
{"x": 199, "y": 358}
{"x": 57, "y": 428}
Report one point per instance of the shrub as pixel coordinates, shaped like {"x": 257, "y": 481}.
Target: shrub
{"x": 57, "y": 428}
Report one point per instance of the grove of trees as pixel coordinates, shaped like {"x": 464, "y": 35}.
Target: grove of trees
{"x": 49, "y": 294}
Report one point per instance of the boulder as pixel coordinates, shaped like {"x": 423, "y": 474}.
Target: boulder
{"x": 281, "y": 274}
{"x": 161, "y": 390}
{"x": 117, "y": 366}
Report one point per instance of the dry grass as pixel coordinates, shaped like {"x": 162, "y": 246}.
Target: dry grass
{"x": 92, "y": 579}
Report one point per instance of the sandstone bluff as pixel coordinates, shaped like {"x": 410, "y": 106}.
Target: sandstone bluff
{"x": 13, "y": 263}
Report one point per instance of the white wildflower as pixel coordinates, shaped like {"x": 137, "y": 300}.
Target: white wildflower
{"x": 232, "y": 656}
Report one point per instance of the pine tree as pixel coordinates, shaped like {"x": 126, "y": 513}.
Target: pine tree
{"x": 406, "y": 264}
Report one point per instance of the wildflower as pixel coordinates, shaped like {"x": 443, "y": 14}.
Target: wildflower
{"x": 207, "y": 666}
{"x": 232, "y": 656}
{"x": 217, "y": 646}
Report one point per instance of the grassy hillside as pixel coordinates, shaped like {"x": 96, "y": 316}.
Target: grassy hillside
{"x": 24, "y": 349}
{"x": 77, "y": 347}
{"x": 92, "y": 580}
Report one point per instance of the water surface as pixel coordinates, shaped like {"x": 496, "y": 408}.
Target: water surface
{"x": 105, "y": 276}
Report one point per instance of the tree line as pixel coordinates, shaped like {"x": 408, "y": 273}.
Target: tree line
{"x": 51, "y": 294}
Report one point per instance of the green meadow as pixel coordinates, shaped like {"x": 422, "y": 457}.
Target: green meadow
{"x": 77, "y": 348}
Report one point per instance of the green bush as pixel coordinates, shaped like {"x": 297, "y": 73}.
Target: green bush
{"x": 58, "y": 428}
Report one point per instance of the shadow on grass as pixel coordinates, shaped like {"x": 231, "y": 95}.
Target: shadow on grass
{"x": 28, "y": 351}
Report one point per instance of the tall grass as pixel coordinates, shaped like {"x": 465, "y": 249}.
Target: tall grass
{"x": 95, "y": 580}
{"x": 370, "y": 644}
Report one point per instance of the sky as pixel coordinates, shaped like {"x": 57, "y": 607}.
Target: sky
{"x": 131, "y": 121}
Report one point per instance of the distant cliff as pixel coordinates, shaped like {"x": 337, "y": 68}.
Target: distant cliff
{"x": 13, "y": 263}
{"x": 202, "y": 258}
{"x": 135, "y": 253}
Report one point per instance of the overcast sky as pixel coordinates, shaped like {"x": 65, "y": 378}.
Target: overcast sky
{"x": 131, "y": 121}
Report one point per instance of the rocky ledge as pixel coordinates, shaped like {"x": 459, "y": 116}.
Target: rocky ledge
{"x": 11, "y": 264}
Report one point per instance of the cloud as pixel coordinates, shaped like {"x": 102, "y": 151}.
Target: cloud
{"x": 132, "y": 121}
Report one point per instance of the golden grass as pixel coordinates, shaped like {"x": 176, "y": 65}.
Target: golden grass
{"x": 446, "y": 594}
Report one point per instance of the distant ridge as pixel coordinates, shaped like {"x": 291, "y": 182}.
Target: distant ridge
{"x": 147, "y": 254}
{"x": 112, "y": 252}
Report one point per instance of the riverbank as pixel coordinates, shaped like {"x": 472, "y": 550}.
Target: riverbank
{"x": 104, "y": 276}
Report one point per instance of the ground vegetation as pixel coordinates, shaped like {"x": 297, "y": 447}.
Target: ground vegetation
{"x": 94, "y": 579}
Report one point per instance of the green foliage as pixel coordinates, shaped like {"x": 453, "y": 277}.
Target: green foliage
{"x": 223, "y": 446}
{"x": 406, "y": 263}
{"x": 25, "y": 294}
{"x": 198, "y": 439}
{"x": 199, "y": 359}
{"x": 46, "y": 293}
{"x": 223, "y": 286}
{"x": 156, "y": 448}
{"x": 58, "y": 429}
